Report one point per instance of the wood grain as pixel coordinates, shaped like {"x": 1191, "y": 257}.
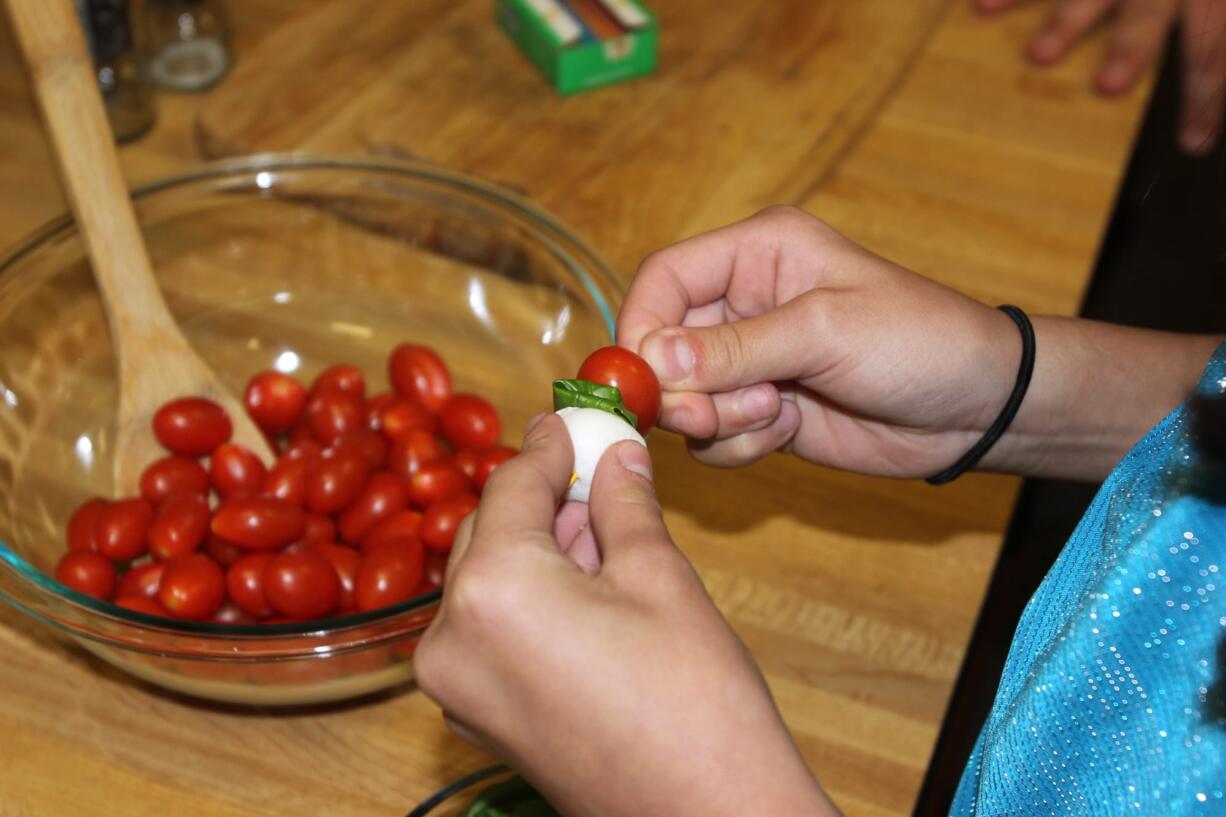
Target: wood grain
{"x": 914, "y": 127}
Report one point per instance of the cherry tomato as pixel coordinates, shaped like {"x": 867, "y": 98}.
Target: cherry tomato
{"x": 418, "y": 372}
{"x": 223, "y": 552}
{"x": 491, "y": 458}
{"x": 467, "y": 459}
{"x": 287, "y": 480}
{"x": 436, "y": 570}
{"x": 275, "y": 401}
{"x": 245, "y": 584}
{"x": 140, "y": 604}
{"x": 371, "y": 446}
{"x": 345, "y": 561}
{"x": 191, "y": 426}
{"x": 385, "y": 494}
{"x": 259, "y": 523}
{"x": 374, "y": 408}
{"x": 173, "y": 475}
{"x": 140, "y": 580}
{"x": 122, "y": 528}
{"x": 401, "y": 523}
{"x": 331, "y": 413}
{"x": 332, "y": 482}
{"x": 179, "y": 526}
{"x": 389, "y": 574}
{"x": 193, "y": 587}
{"x": 236, "y": 471}
{"x": 81, "y": 524}
{"x": 319, "y": 528}
{"x": 305, "y": 449}
{"x": 301, "y": 585}
{"x": 437, "y": 480}
{"x": 88, "y": 573}
{"x": 231, "y": 613}
{"x": 640, "y": 388}
{"x": 469, "y": 421}
{"x": 439, "y": 523}
{"x": 341, "y": 377}
{"x": 404, "y": 414}
{"x": 300, "y": 433}
{"x": 414, "y": 450}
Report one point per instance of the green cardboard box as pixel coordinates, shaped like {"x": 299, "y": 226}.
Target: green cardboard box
{"x": 568, "y": 55}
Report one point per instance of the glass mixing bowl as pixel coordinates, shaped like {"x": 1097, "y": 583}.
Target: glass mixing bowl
{"x": 291, "y": 263}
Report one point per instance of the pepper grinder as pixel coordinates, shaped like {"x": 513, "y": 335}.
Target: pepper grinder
{"x": 125, "y": 94}
{"x": 188, "y": 43}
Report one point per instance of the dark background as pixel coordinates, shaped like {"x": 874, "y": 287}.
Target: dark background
{"x": 1163, "y": 266}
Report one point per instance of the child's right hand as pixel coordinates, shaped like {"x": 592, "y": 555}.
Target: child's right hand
{"x": 778, "y": 333}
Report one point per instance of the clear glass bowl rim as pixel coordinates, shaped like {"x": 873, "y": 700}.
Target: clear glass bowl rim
{"x": 591, "y": 271}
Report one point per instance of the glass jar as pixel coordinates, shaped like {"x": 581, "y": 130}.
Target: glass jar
{"x": 128, "y": 99}
{"x": 188, "y": 43}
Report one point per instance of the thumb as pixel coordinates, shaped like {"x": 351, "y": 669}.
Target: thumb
{"x": 624, "y": 512}
{"x": 733, "y": 355}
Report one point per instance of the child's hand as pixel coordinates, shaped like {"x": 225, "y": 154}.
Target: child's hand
{"x": 618, "y": 689}
{"x": 778, "y": 333}
{"x": 1137, "y": 39}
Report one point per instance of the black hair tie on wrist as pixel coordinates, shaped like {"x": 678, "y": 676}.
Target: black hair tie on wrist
{"x": 971, "y": 458}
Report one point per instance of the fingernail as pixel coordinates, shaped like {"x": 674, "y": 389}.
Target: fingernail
{"x": 1114, "y": 76}
{"x": 670, "y": 356}
{"x": 634, "y": 457}
{"x": 1045, "y": 47}
{"x": 1195, "y": 139}
{"x": 756, "y": 404}
{"x": 534, "y": 422}
{"x": 789, "y": 418}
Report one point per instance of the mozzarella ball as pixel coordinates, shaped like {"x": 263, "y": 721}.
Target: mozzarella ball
{"x": 592, "y": 432}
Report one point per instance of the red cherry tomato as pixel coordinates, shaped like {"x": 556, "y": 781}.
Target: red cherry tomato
{"x": 640, "y": 388}
{"x": 404, "y": 414}
{"x": 437, "y": 480}
{"x": 469, "y": 421}
{"x": 467, "y": 459}
{"x": 87, "y": 573}
{"x": 371, "y": 446}
{"x": 385, "y": 494}
{"x": 245, "y": 584}
{"x": 414, "y": 450}
{"x": 173, "y": 475}
{"x": 140, "y": 580}
{"x": 193, "y": 587}
{"x": 122, "y": 528}
{"x": 231, "y": 613}
{"x": 418, "y": 372}
{"x": 319, "y": 528}
{"x": 332, "y": 482}
{"x": 439, "y": 523}
{"x": 81, "y": 524}
{"x": 436, "y": 570}
{"x": 341, "y": 377}
{"x": 236, "y": 471}
{"x": 389, "y": 574}
{"x": 374, "y": 409}
{"x": 401, "y": 523}
{"x": 301, "y": 585}
{"x": 223, "y": 552}
{"x": 286, "y": 480}
{"x": 306, "y": 449}
{"x": 259, "y": 523}
{"x": 345, "y": 561}
{"x": 331, "y": 413}
{"x": 140, "y": 604}
{"x": 275, "y": 401}
{"x": 179, "y": 526}
{"x": 491, "y": 458}
{"x": 300, "y": 433}
{"x": 191, "y": 426}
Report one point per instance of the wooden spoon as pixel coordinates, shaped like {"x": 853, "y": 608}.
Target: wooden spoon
{"x": 156, "y": 363}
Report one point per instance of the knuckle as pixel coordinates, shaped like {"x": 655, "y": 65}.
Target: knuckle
{"x": 784, "y": 216}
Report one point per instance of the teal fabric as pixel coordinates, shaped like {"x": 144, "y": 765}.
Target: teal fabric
{"x": 1111, "y": 700}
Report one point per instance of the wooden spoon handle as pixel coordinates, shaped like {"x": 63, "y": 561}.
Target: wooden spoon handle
{"x": 62, "y": 72}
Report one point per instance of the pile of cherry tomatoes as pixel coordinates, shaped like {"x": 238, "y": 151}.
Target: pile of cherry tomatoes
{"x": 357, "y": 513}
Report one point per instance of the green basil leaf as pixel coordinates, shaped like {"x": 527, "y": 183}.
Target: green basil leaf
{"x": 585, "y": 394}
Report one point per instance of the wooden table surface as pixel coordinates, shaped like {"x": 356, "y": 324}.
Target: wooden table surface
{"x": 912, "y": 126}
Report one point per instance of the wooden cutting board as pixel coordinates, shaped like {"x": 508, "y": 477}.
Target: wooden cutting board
{"x": 751, "y": 106}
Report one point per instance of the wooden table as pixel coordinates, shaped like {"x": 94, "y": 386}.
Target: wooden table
{"x": 912, "y": 126}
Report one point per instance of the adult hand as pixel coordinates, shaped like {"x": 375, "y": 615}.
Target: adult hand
{"x": 1137, "y": 38}
{"x": 616, "y": 687}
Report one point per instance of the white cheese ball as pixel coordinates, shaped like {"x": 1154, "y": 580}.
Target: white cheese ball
{"x": 592, "y": 432}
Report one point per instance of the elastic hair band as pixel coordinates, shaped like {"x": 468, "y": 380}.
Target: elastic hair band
{"x": 1024, "y": 371}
